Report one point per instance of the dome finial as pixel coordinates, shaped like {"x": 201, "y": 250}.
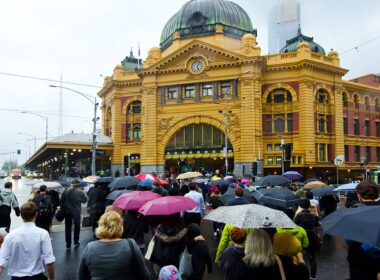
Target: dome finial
{"x": 299, "y": 29}
{"x": 131, "y": 52}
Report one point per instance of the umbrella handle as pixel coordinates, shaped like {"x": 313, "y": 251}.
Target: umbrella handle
{"x": 267, "y": 223}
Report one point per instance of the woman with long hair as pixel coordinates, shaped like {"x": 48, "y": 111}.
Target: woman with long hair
{"x": 112, "y": 257}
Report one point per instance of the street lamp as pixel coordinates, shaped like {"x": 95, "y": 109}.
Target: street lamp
{"x": 33, "y": 136}
{"x": 42, "y": 117}
{"x": 95, "y": 103}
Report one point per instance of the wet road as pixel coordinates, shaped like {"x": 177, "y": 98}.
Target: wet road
{"x": 331, "y": 259}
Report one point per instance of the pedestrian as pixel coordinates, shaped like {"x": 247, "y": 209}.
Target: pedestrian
{"x": 214, "y": 202}
{"x": 169, "y": 242}
{"x": 364, "y": 259}
{"x": 231, "y": 260}
{"x": 96, "y": 204}
{"x": 169, "y": 272}
{"x": 73, "y": 198}
{"x": 314, "y": 204}
{"x": 3, "y": 233}
{"x": 308, "y": 221}
{"x": 287, "y": 247}
{"x": 27, "y": 250}
{"x": 199, "y": 251}
{"x": 44, "y": 208}
{"x": 194, "y": 215}
{"x": 328, "y": 204}
{"x": 7, "y": 201}
{"x": 239, "y": 198}
{"x": 174, "y": 189}
{"x": 135, "y": 227}
{"x": 112, "y": 257}
{"x": 159, "y": 190}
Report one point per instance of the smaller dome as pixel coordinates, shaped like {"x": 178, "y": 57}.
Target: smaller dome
{"x": 293, "y": 44}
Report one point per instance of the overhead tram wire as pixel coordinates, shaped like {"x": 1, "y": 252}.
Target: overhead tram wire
{"x": 68, "y": 116}
{"x": 360, "y": 45}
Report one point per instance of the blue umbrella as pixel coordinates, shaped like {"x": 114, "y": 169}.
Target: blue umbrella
{"x": 292, "y": 175}
{"x": 273, "y": 180}
{"x": 146, "y": 183}
{"x": 346, "y": 187}
{"x": 360, "y": 224}
{"x": 104, "y": 180}
{"x": 322, "y": 191}
{"x": 230, "y": 194}
{"x": 115, "y": 194}
{"x": 124, "y": 182}
{"x": 276, "y": 198}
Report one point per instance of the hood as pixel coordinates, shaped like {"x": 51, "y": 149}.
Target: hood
{"x": 238, "y": 252}
{"x": 170, "y": 238}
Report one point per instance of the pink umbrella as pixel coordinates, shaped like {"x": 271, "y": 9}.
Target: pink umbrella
{"x": 134, "y": 200}
{"x": 244, "y": 181}
{"x": 167, "y": 205}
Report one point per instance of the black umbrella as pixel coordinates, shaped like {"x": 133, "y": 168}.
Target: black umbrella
{"x": 360, "y": 224}
{"x": 124, "y": 182}
{"x": 104, "y": 180}
{"x": 322, "y": 191}
{"x": 115, "y": 194}
{"x": 276, "y": 197}
{"x": 230, "y": 194}
{"x": 311, "y": 180}
{"x": 221, "y": 183}
{"x": 274, "y": 180}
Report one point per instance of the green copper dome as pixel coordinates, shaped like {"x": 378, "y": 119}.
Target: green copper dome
{"x": 201, "y": 17}
{"x": 292, "y": 44}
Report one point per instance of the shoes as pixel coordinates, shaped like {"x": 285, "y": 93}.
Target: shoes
{"x": 68, "y": 247}
{"x": 76, "y": 245}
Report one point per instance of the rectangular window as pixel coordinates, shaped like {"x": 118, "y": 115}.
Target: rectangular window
{"x": 278, "y": 160}
{"x": 377, "y": 129}
{"x": 129, "y": 132}
{"x": 366, "y": 128}
{"x": 277, "y": 147}
{"x": 268, "y": 125}
{"x": 345, "y": 125}
{"x": 368, "y": 153}
{"x": 357, "y": 153}
{"x": 172, "y": 93}
{"x": 299, "y": 160}
{"x": 378, "y": 154}
{"x": 207, "y": 90}
{"x": 269, "y": 147}
{"x": 294, "y": 160}
{"x": 321, "y": 123}
{"x": 189, "y": 92}
{"x": 225, "y": 89}
{"x": 289, "y": 121}
{"x": 279, "y": 123}
{"x": 346, "y": 155}
{"x": 356, "y": 126}
{"x": 322, "y": 152}
{"x": 322, "y": 98}
{"x": 270, "y": 160}
{"x": 136, "y": 131}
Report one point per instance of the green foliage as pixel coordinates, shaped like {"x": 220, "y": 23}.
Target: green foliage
{"x": 9, "y": 165}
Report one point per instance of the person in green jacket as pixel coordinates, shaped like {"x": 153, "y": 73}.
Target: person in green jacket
{"x": 300, "y": 234}
{"x": 225, "y": 240}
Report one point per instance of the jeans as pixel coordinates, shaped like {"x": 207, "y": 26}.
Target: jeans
{"x": 69, "y": 219}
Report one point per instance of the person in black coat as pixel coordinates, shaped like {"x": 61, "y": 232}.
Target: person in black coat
{"x": 199, "y": 251}
{"x": 135, "y": 226}
{"x": 97, "y": 203}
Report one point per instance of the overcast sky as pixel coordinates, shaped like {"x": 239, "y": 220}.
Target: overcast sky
{"x": 84, "y": 39}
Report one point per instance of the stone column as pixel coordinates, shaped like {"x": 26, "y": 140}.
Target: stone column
{"x": 162, "y": 95}
{"x": 234, "y": 89}
{"x": 117, "y": 159}
{"x": 197, "y": 93}
{"x": 216, "y": 91}
{"x": 339, "y": 128}
{"x": 179, "y": 100}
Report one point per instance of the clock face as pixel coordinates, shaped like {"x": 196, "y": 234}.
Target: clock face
{"x": 197, "y": 66}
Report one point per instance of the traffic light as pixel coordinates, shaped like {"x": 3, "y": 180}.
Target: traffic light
{"x": 19, "y": 152}
{"x": 254, "y": 168}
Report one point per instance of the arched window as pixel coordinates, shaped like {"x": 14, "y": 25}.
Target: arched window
{"x": 134, "y": 108}
{"x": 366, "y": 103}
{"x": 377, "y": 105}
{"x": 356, "y": 101}
{"x": 322, "y": 97}
{"x": 345, "y": 99}
{"x": 279, "y": 95}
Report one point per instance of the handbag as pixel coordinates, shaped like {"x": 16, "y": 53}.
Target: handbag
{"x": 60, "y": 214}
{"x": 150, "y": 249}
{"x": 133, "y": 262}
{"x": 280, "y": 266}
{"x": 185, "y": 265}
{"x": 86, "y": 222}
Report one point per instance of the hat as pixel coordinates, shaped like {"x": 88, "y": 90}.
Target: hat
{"x": 169, "y": 272}
{"x": 304, "y": 204}
{"x": 285, "y": 244}
{"x": 43, "y": 188}
{"x": 193, "y": 230}
{"x": 238, "y": 235}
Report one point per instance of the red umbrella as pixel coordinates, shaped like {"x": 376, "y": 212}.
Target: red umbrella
{"x": 145, "y": 176}
{"x": 134, "y": 200}
{"x": 167, "y": 205}
{"x": 162, "y": 182}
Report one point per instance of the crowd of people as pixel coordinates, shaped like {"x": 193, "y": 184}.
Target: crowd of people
{"x": 120, "y": 252}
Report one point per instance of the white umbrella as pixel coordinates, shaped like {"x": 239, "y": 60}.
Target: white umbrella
{"x": 189, "y": 175}
{"x": 49, "y": 185}
{"x": 250, "y": 216}
{"x": 346, "y": 187}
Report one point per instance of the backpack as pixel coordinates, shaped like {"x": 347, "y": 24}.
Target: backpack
{"x": 1, "y": 198}
{"x": 43, "y": 210}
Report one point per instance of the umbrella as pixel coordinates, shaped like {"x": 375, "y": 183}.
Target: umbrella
{"x": 91, "y": 179}
{"x": 162, "y": 182}
{"x": 189, "y": 175}
{"x": 230, "y": 194}
{"x": 63, "y": 183}
{"x": 322, "y": 191}
{"x": 201, "y": 181}
{"x": 145, "y": 176}
{"x": 314, "y": 184}
{"x": 360, "y": 224}
{"x": 228, "y": 177}
{"x": 312, "y": 180}
{"x": 134, "y": 200}
{"x": 124, "y": 182}
{"x": 274, "y": 180}
{"x": 244, "y": 181}
{"x": 115, "y": 194}
{"x": 292, "y": 175}
{"x": 250, "y": 216}
{"x": 276, "y": 197}
{"x": 346, "y": 187}
{"x": 167, "y": 205}
{"x": 221, "y": 183}
{"x": 105, "y": 180}
{"x": 49, "y": 185}
{"x": 146, "y": 183}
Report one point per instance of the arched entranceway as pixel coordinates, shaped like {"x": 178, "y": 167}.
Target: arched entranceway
{"x": 197, "y": 147}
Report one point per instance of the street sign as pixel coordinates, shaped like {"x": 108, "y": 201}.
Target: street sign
{"x": 338, "y": 161}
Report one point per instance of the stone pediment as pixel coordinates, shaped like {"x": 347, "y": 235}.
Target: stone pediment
{"x": 178, "y": 61}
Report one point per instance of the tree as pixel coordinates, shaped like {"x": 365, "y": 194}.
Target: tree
{"x": 9, "y": 165}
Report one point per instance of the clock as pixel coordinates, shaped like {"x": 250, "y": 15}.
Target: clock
{"x": 197, "y": 66}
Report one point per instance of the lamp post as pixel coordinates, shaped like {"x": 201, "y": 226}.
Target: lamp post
{"x": 282, "y": 157}
{"x": 33, "y": 136}
{"x": 95, "y": 103}
{"x": 42, "y": 117}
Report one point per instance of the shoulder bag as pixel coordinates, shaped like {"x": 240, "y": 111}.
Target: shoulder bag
{"x": 150, "y": 249}
{"x": 280, "y": 266}
{"x": 60, "y": 214}
{"x": 185, "y": 264}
